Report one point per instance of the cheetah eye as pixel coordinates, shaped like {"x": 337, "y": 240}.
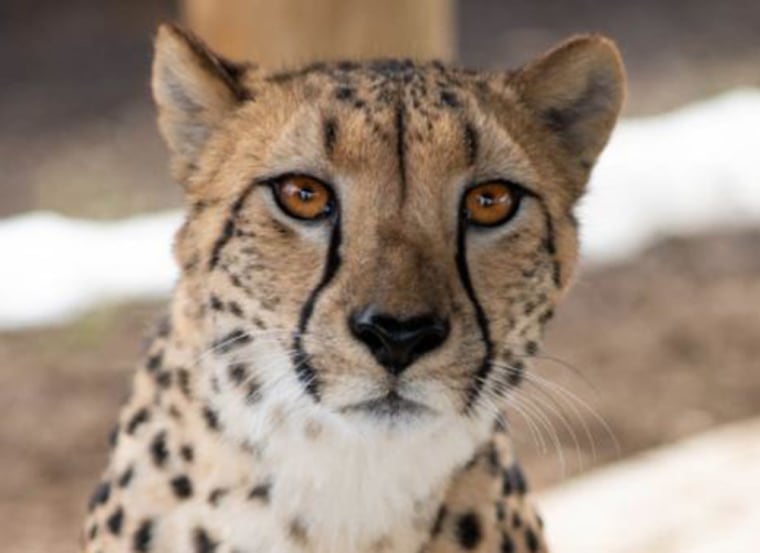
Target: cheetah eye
{"x": 303, "y": 197}
{"x": 491, "y": 203}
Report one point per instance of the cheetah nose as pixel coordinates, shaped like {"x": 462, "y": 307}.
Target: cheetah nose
{"x": 397, "y": 343}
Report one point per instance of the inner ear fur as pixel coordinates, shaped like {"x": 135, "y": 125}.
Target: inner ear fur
{"x": 194, "y": 90}
{"x": 577, "y": 90}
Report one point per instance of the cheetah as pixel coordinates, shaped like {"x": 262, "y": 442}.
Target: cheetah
{"x": 369, "y": 255}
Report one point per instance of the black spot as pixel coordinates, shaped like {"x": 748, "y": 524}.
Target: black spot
{"x": 93, "y": 533}
{"x": 501, "y": 511}
{"x": 516, "y": 373}
{"x": 450, "y": 99}
{"x": 187, "y": 453}
{"x": 493, "y": 459}
{"x": 215, "y": 495}
{"x": 237, "y": 373}
{"x": 216, "y": 304}
{"x": 469, "y": 531}
{"x": 142, "y": 536}
{"x": 183, "y": 376}
{"x": 521, "y": 484}
{"x": 164, "y": 379}
{"x": 506, "y": 483}
{"x": 253, "y": 393}
{"x": 516, "y": 520}
{"x": 344, "y": 93}
{"x": 531, "y": 540}
{"x": 203, "y": 542}
{"x": 113, "y": 436}
{"x": 347, "y": 65}
{"x": 471, "y": 144}
{"x": 101, "y": 495}
{"x": 155, "y": 361}
{"x": 158, "y": 449}
{"x": 439, "y": 520}
{"x": 114, "y": 522}
{"x": 531, "y": 348}
{"x": 231, "y": 340}
{"x": 260, "y": 491}
{"x": 546, "y": 316}
{"x": 330, "y": 135}
{"x": 235, "y": 309}
{"x": 211, "y": 417}
{"x": 507, "y": 545}
{"x": 126, "y": 477}
{"x": 182, "y": 487}
{"x": 297, "y": 531}
{"x": 140, "y": 417}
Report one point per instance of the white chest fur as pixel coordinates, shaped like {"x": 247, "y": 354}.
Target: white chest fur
{"x": 340, "y": 484}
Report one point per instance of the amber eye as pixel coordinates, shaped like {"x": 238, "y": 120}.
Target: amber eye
{"x": 491, "y": 203}
{"x": 303, "y": 197}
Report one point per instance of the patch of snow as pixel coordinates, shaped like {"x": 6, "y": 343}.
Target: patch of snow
{"x": 699, "y": 496}
{"x": 56, "y": 267}
{"x": 679, "y": 173}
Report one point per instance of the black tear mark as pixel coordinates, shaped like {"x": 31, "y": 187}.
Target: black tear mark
{"x": 306, "y": 373}
{"x": 330, "y": 136}
{"x": 484, "y": 369}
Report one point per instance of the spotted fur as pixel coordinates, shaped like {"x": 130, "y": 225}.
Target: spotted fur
{"x": 248, "y": 428}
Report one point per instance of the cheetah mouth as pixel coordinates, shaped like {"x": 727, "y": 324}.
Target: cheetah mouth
{"x": 390, "y": 406}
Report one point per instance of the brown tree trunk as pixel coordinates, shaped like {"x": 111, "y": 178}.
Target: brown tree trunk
{"x": 279, "y": 33}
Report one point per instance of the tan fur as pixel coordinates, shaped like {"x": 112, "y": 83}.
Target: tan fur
{"x": 399, "y": 142}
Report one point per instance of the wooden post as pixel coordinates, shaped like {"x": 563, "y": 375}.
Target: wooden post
{"x": 278, "y": 33}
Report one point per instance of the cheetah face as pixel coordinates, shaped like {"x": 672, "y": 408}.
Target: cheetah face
{"x": 399, "y": 233}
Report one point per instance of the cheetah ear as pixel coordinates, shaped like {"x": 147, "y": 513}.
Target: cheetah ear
{"x": 194, "y": 89}
{"x": 577, "y": 89}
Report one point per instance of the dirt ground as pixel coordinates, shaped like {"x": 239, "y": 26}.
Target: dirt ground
{"x": 661, "y": 347}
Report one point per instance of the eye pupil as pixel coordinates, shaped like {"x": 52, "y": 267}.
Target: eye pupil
{"x": 486, "y": 200}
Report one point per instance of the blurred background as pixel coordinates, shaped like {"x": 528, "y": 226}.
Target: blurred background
{"x": 659, "y": 341}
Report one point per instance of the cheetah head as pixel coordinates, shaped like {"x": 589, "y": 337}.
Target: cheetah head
{"x": 384, "y": 240}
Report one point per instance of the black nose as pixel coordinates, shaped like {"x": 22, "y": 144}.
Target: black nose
{"x": 397, "y": 343}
